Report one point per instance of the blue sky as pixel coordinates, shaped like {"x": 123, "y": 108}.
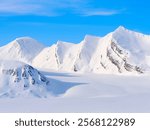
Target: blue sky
{"x": 70, "y": 20}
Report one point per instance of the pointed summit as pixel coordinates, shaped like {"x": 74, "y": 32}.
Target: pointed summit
{"x": 90, "y": 38}
{"x": 60, "y": 43}
{"x": 27, "y": 41}
{"x": 121, "y": 29}
{"x": 23, "y": 49}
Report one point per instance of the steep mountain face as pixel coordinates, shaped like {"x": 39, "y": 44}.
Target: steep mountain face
{"x": 46, "y": 59}
{"x": 112, "y": 58}
{"x": 85, "y": 53}
{"x": 68, "y": 56}
{"x": 22, "y": 49}
{"x": 137, "y": 45}
{"x": 18, "y": 78}
{"x": 122, "y": 51}
{"x": 52, "y": 57}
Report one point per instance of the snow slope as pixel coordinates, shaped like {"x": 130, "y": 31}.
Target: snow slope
{"x": 92, "y": 93}
{"x": 52, "y": 57}
{"x": 137, "y": 44}
{"x": 21, "y": 49}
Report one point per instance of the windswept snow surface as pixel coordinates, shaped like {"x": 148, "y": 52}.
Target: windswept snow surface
{"x": 75, "y": 92}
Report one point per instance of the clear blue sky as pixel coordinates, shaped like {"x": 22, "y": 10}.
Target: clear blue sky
{"x": 70, "y": 20}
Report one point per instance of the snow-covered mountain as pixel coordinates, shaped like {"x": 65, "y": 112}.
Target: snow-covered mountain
{"x": 22, "y": 49}
{"x": 18, "y": 78}
{"x": 111, "y": 56}
{"x": 67, "y": 56}
{"x": 121, "y": 51}
{"x": 137, "y": 45}
{"x": 53, "y": 57}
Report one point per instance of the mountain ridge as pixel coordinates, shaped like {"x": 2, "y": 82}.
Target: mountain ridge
{"x": 80, "y": 57}
{"x": 121, "y": 51}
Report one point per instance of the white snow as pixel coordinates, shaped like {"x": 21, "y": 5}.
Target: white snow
{"x": 121, "y": 51}
{"x": 74, "y": 92}
{"x": 137, "y": 44}
{"x": 46, "y": 58}
{"x": 22, "y": 49}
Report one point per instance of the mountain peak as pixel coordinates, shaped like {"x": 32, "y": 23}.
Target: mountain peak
{"x": 120, "y": 29}
{"x": 26, "y": 41}
{"x": 123, "y": 32}
{"x": 91, "y": 37}
{"x": 22, "y": 49}
{"x": 87, "y": 36}
{"x": 23, "y": 38}
{"x": 59, "y": 42}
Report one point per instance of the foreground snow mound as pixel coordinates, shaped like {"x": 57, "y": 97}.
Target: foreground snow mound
{"x": 22, "y": 49}
{"x": 19, "y": 79}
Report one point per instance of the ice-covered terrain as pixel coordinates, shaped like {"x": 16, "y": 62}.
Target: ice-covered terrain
{"x": 87, "y": 93}
{"x": 99, "y": 74}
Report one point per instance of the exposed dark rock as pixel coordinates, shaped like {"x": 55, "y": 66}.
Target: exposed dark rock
{"x": 33, "y": 81}
{"x": 75, "y": 69}
{"x": 117, "y": 50}
{"x": 27, "y": 73}
{"x": 138, "y": 69}
{"x": 103, "y": 65}
{"x": 114, "y": 61}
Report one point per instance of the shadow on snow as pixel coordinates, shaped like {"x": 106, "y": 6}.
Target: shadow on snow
{"x": 57, "y": 87}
